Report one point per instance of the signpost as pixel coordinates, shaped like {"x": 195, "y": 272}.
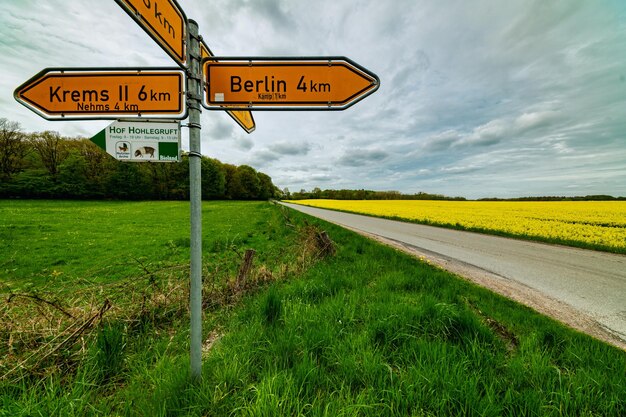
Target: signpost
{"x": 242, "y": 117}
{"x": 105, "y": 93}
{"x": 270, "y": 83}
{"x": 234, "y": 85}
{"x": 141, "y": 141}
{"x": 164, "y": 21}
{"x": 195, "y": 203}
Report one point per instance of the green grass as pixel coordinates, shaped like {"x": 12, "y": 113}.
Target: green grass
{"x": 367, "y": 332}
{"x": 53, "y": 242}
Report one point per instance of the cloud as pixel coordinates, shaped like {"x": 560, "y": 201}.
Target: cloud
{"x": 534, "y": 120}
{"x": 273, "y": 10}
{"x": 244, "y": 143}
{"x": 458, "y": 170}
{"x": 410, "y": 73}
{"x": 276, "y": 151}
{"x": 441, "y": 141}
{"x": 492, "y": 132}
{"x": 360, "y": 157}
{"x": 220, "y": 128}
{"x": 290, "y": 148}
{"x": 488, "y": 134}
{"x": 262, "y": 157}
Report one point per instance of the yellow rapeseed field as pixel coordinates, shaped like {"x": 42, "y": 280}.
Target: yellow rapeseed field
{"x": 595, "y": 223}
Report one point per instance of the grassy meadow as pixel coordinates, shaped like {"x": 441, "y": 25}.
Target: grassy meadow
{"x": 598, "y": 225}
{"x": 94, "y": 322}
{"x": 56, "y": 242}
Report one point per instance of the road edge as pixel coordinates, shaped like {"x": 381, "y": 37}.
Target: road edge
{"x": 508, "y": 288}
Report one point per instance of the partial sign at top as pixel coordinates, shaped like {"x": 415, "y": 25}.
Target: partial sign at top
{"x": 205, "y": 52}
{"x": 164, "y": 21}
{"x": 268, "y": 83}
{"x": 242, "y": 117}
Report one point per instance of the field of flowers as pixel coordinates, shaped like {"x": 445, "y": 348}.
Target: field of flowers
{"x": 592, "y": 224}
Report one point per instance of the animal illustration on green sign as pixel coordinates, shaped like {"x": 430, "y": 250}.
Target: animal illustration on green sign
{"x": 144, "y": 150}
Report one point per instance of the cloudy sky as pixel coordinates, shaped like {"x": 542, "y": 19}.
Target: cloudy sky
{"x": 478, "y": 98}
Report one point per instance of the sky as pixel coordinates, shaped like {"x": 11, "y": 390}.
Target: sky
{"x": 478, "y": 98}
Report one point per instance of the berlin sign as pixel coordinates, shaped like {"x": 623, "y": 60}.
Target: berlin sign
{"x": 242, "y": 117}
{"x": 164, "y": 21}
{"x": 105, "y": 93}
{"x": 268, "y": 83}
{"x": 141, "y": 141}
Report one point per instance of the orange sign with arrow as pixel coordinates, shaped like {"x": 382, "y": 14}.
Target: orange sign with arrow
{"x": 333, "y": 83}
{"x": 105, "y": 93}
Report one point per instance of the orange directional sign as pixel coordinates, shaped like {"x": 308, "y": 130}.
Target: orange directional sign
{"x": 205, "y": 52}
{"x": 242, "y": 117}
{"x": 164, "y": 21}
{"x": 105, "y": 93}
{"x": 332, "y": 83}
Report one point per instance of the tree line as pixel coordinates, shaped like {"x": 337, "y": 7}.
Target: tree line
{"x": 595, "y": 197}
{"x": 346, "y": 194}
{"x": 47, "y": 165}
{"x": 362, "y": 194}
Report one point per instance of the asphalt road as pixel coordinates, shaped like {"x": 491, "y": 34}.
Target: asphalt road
{"x": 589, "y": 282}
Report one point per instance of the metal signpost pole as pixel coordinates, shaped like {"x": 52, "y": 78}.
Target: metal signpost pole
{"x": 195, "y": 197}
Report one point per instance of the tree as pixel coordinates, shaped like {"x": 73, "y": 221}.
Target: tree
{"x": 13, "y": 148}
{"x": 213, "y": 179}
{"x": 179, "y": 189}
{"x": 229, "y": 174}
{"x": 127, "y": 182}
{"x": 49, "y": 146}
{"x": 72, "y": 177}
{"x": 158, "y": 177}
{"x": 98, "y": 165}
{"x": 267, "y": 189}
{"x": 245, "y": 184}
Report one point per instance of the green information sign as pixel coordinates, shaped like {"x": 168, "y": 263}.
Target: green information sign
{"x": 141, "y": 141}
